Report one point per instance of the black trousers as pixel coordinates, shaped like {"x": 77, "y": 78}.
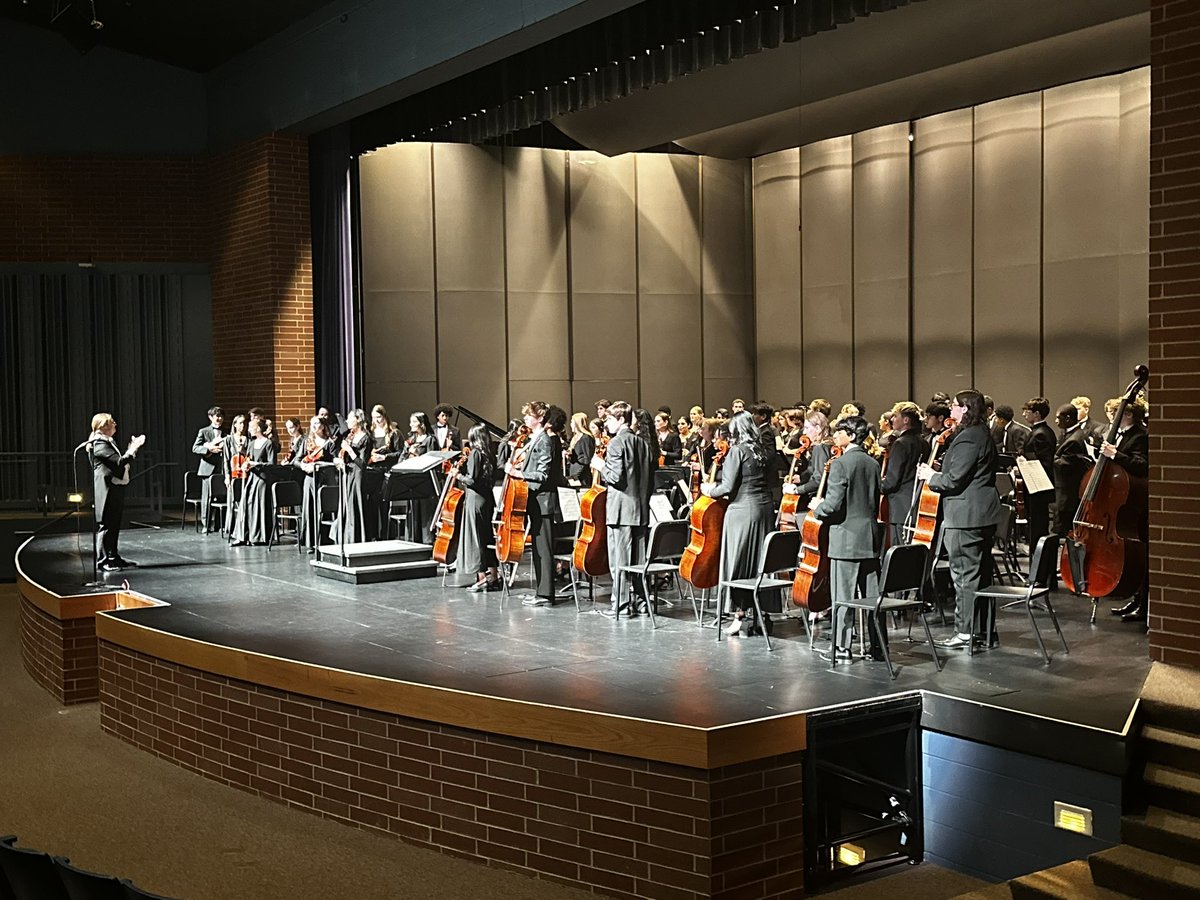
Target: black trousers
{"x": 108, "y": 523}
{"x": 541, "y": 533}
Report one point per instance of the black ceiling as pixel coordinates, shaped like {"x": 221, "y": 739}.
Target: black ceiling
{"x": 193, "y": 34}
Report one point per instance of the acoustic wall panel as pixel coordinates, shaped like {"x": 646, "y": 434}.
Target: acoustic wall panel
{"x": 777, "y": 271}
{"x": 726, "y": 282}
{"x": 1081, "y": 238}
{"x": 603, "y": 262}
{"x": 1133, "y": 225}
{"x": 881, "y": 265}
{"x": 468, "y": 198}
{"x": 1008, "y": 229}
{"x": 827, "y": 263}
{"x": 668, "y": 265}
{"x": 942, "y": 282}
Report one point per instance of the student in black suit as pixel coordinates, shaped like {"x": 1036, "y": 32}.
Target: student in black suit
{"x": 446, "y": 436}
{"x": 905, "y": 452}
{"x": 1039, "y": 445}
{"x": 1131, "y": 451}
{"x": 626, "y": 471}
{"x": 542, "y": 473}
{"x": 1008, "y": 435}
{"x": 1071, "y": 463}
{"x": 209, "y": 443}
{"x": 849, "y": 506}
{"x": 971, "y": 508}
{"x": 110, "y": 474}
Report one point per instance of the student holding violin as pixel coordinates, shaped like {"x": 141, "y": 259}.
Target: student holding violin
{"x": 971, "y": 508}
{"x": 318, "y": 451}
{"x": 816, "y": 429}
{"x": 625, "y": 468}
{"x": 670, "y": 446}
{"x": 352, "y": 457}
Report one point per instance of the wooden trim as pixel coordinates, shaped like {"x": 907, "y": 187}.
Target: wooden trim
{"x": 685, "y": 745}
{"x": 79, "y": 606}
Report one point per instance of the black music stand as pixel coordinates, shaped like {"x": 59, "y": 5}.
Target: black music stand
{"x": 417, "y": 479}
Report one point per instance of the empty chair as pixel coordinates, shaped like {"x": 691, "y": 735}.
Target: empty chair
{"x": 84, "y": 885}
{"x": 567, "y": 558}
{"x": 900, "y": 585}
{"x": 667, "y": 542}
{"x": 328, "y": 496}
{"x": 30, "y": 873}
{"x": 1041, "y": 570}
{"x": 779, "y": 554}
{"x": 191, "y": 497}
{"x": 286, "y": 498}
{"x": 218, "y": 501}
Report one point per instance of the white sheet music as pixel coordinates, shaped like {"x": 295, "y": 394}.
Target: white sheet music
{"x": 660, "y": 508}
{"x": 568, "y": 504}
{"x": 1036, "y": 480}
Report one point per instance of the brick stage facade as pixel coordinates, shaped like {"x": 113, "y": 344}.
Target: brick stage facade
{"x": 60, "y": 654}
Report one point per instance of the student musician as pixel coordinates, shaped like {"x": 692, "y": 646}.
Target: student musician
{"x": 508, "y": 443}
{"x": 1071, "y": 463}
{"x": 971, "y": 507}
{"x": 210, "y": 440}
{"x": 937, "y": 416}
{"x": 386, "y": 451}
{"x": 580, "y": 450}
{"x": 233, "y": 455}
{"x": 110, "y": 474}
{"x": 1039, "y": 445}
{"x": 906, "y": 450}
{"x": 1132, "y": 453}
{"x": 643, "y": 427}
{"x": 850, "y": 505}
{"x": 420, "y": 435}
{"x": 670, "y": 447}
{"x": 476, "y": 476}
{"x": 353, "y": 454}
{"x": 317, "y": 455}
{"x": 445, "y": 435}
{"x": 816, "y": 429}
{"x": 294, "y": 430}
{"x": 626, "y": 469}
{"x": 255, "y": 514}
{"x": 542, "y": 473}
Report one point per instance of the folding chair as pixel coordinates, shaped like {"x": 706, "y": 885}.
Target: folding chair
{"x": 1041, "y": 570}
{"x": 667, "y": 542}
{"x": 286, "y": 495}
{"x": 779, "y": 554}
{"x": 191, "y": 497}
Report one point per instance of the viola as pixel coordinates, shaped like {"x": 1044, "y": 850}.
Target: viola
{"x": 590, "y": 553}
{"x": 449, "y": 513}
{"x": 510, "y": 514}
{"x": 928, "y": 506}
{"x": 1104, "y": 555}
{"x": 811, "y": 588}
{"x": 790, "y": 502}
{"x": 315, "y": 451}
{"x": 700, "y": 565}
{"x": 239, "y": 462}
{"x": 884, "y": 511}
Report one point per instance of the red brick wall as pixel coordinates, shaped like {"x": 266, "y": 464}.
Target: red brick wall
{"x": 1174, "y": 331}
{"x": 60, "y": 655}
{"x": 622, "y": 826}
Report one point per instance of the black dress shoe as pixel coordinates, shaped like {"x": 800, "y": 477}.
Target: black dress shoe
{"x": 1137, "y": 614}
{"x": 1126, "y": 609}
{"x": 124, "y": 563}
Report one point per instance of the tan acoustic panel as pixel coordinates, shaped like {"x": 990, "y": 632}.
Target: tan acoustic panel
{"x": 670, "y": 333}
{"x": 777, "y": 272}
{"x": 725, "y": 226}
{"x": 942, "y": 222}
{"x": 1008, "y": 233}
{"x": 584, "y": 394}
{"x": 535, "y": 216}
{"x": 401, "y": 398}
{"x": 881, "y": 264}
{"x": 553, "y": 392}
{"x": 827, "y": 231}
{"x": 471, "y": 364}
{"x": 728, "y": 336}
{"x": 668, "y": 231}
{"x": 1081, "y": 352}
{"x": 603, "y": 223}
{"x": 396, "y": 214}
{"x": 468, "y": 202}
{"x": 604, "y": 337}
{"x": 538, "y": 337}
{"x": 721, "y": 392}
{"x": 1134, "y": 220}
{"x": 399, "y": 339}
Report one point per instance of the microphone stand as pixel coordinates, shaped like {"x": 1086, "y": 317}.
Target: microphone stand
{"x": 95, "y": 583}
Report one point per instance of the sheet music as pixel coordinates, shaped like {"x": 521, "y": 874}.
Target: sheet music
{"x": 568, "y": 504}
{"x": 1036, "y": 480}
{"x": 660, "y": 508}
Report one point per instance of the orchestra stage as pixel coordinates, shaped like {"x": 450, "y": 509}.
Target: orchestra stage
{"x": 560, "y": 744}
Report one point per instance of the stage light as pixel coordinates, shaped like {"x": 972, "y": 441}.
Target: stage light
{"x": 74, "y": 498}
{"x": 851, "y": 855}
{"x": 1072, "y": 818}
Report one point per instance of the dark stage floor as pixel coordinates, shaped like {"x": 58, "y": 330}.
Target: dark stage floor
{"x": 417, "y": 631}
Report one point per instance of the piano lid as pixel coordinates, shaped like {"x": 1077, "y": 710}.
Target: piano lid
{"x": 495, "y": 430}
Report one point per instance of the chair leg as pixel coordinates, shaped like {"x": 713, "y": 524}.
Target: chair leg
{"x": 937, "y": 660}
{"x": 1037, "y": 632}
{"x": 874, "y": 625}
{"x": 759, "y": 614}
{"x": 807, "y": 630}
{"x": 651, "y": 600}
{"x": 1054, "y": 619}
{"x": 833, "y": 613}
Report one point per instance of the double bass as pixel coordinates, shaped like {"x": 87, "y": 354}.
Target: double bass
{"x": 590, "y": 554}
{"x": 510, "y": 513}
{"x": 811, "y": 588}
{"x": 928, "y": 502}
{"x": 701, "y": 562}
{"x": 788, "y": 505}
{"x": 449, "y": 513}
{"x": 1104, "y": 554}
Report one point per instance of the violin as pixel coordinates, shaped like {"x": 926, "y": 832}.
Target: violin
{"x": 239, "y": 462}
{"x": 928, "y": 501}
{"x": 790, "y": 502}
{"x": 449, "y": 513}
{"x": 314, "y": 451}
{"x": 590, "y": 553}
{"x": 700, "y": 565}
{"x": 811, "y": 588}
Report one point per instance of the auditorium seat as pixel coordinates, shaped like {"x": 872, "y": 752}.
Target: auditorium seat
{"x": 84, "y": 885}
{"x": 30, "y": 873}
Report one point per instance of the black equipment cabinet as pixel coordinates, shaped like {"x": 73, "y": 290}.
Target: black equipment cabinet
{"x": 862, "y": 789}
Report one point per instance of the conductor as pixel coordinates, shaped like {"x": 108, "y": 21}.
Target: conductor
{"x": 110, "y": 474}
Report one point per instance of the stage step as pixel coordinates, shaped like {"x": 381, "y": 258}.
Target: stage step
{"x": 1169, "y": 698}
{"x": 1163, "y": 831}
{"x": 991, "y": 892}
{"x": 376, "y": 561}
{"x": 1140, "y": 873}
{"x": 1177, "y": 749}
{"x": 1071, "y": 881}
{"x": 1172, "y": 788}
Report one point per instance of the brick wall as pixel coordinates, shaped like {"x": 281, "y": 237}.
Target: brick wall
{"x": 619, "y": 825}
{"x": 1174, "y": 330}
{"x": 262, "y": 277}
{"x": 60, "y": 655}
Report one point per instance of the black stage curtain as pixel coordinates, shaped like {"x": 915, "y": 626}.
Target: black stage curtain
{"x": 652, "y": 43}
{"x": 337, "y": 323}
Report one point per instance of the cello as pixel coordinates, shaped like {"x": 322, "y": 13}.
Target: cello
{"x": 510, "y": 513}
{"x": 701, "y": 562}
{"x": 1104, "y": 554}
{"x": 787, "y": 506}
{"x": 811, "y": 588}
{"x": 590, "y": 553}
{"x": 927, "y": 502}
{"x": 449, "y": 514}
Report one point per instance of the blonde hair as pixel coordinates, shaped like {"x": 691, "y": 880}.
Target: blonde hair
{"x": 101, "y": 420}
{"x": 1082, "y": 403}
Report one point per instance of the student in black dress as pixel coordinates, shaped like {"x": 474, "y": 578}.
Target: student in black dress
{"x": 420, "y": 441}
{"x": 670, "y": 447}
{"x": 643, "y": 426}
{"x": 353, "y": 455}
{"x": 208, "y": 445}
{"x": 579, "y": 452}
{"x": 315, "y": 460}
{"x": 386, "y": 446}
{"x": 542, "y": 472}
{"x": 750, "y": 515}
{"x": 812, "y": 464}
{"x": 110, "y": 474}
{"x": 233, "y": 459}
{"x": 476, "y": 477}
{"x": 255, "y": 512}
{"x": 295, "y": 441}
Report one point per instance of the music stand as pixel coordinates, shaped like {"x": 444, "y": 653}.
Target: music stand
{"x": 417, "y": 479}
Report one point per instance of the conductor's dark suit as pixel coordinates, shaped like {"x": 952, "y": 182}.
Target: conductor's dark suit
{"x": 210, "y": 462}
{"x": 109, "y": 466}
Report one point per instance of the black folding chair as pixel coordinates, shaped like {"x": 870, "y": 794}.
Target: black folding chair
{"x": 667, "y": 542}
{"x": 191, "y": 497}
{"x": 1041, "y": 571}
{"x": 286, "y": 495}
{"x": 218, "y": 500}
{"x": 30, "y": 873}
{"x": 84, "y": 885}
{"x": 779, "y": 554}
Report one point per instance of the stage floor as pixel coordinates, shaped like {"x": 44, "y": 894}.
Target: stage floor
{"x": 417, "y": 631}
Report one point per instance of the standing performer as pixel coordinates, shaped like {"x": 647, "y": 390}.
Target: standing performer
{"x": 477, "y": 477}
{"x": 386, "y": 446}
{"x": 669, "y": 444}
{"x": 233, "y": 458}
{"x": 352, "y": 456}
{"x": 110, "y": 474}
{"x": 750, "y": 514}
{"x": 850, "y": 505}
{"x": 318, "y": 454}
{"x": 446, "y": 436}
{"x": 1039, "y": 445}
{"x": 1071, "y": 463}
{"x": 542, "y": 473}
{"x": 255, "y": 513}
{"x": 625, "y": 469}
{"x": 1132, "y": 453}
{"x": 967, "y": 483}
{"x": 296, "y": 436}
{"x": 580, "y": 451}
{"x": 208, "y": 445}
{"x": 905, "y": 452}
